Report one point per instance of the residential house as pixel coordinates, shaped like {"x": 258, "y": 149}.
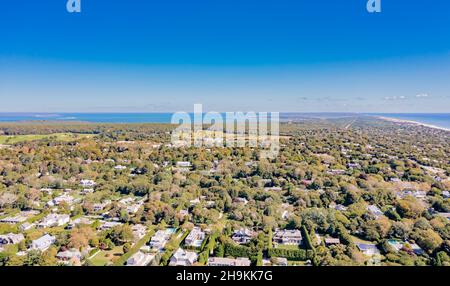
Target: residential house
{"x": 11, "y": 238}
{"x": 79, "y": 221}
{"x": 182, "y": 257}
{"x": 445, "y": 215}
{"x": 87, "y": 183}
{"x": 69, "y": 255}
{"x": 274, "y": 189}
{"x": 287, "y": 237}
{"x": 353, "y": 166}
{"x": 132, "y": 209}
{"x": 240, "y": 200}
{"x": 109, "y": 225}
{"x": 331, "y": 241}
{"x": 26, "y": 226}
{"x": 210, "y": 204}
{"x": 14, "y": 219}
{"x": 195, "y": 237}
{"x": 417, "y": 194}
{"x": 126, "y": 201}
{"x": 368, "y": 249}
{"x": 159, "y": 240}
{"x": 58, "y": 200}
{"x": 87, "y": 191}
{"x": 140, "y": 259}
{"x": 54, "y": 220}
{"x": 139, "y": 231}
{"x": 194, "y": 202}
{"x": 221, "y": 261}
{"x": 416, "y": 249}
{"x": 340, "y": 208}
{"x": 101, "y": 206}
{"x": 336, "y": 172}
{"x": 243, "y": 236}
{"x": 375, "y": 211}
{"x": 43, "y": 243}
{"x": 184, "y": 164}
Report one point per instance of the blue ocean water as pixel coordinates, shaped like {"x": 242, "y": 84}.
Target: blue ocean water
{"x": 437, "y": 119}
{"x": 89, "y": 117}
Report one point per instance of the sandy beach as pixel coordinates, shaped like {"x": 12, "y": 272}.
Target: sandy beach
{"x": 395, "y": 120}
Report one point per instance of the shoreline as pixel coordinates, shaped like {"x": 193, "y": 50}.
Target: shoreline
{"x": 416, "y": 123}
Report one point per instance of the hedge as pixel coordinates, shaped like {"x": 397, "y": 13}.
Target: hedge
{"x": 307, "y": 238}
{"x": 291, "y": 254}
{"x": 238, "y": 251}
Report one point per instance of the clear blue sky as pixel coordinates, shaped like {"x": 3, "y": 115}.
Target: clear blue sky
{"x": 260, "y": 55}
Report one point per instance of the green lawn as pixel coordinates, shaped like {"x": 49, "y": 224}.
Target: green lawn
{"x": 13, "y": 139}
{"x": 289, "y": 247}
{"x": 359, "y": 240}
{"x": 107, "y": 257}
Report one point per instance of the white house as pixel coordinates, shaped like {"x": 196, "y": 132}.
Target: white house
{"x": 87, "y": 191}
{"x": 54, "y": 220}
{"x": 160, "y": 239}
{"x": 375, "y": 211}
{"x": 101, "y": 206}
{"x": 183, "y": 164}
{"x": 287, "y": 237}
{"x": 275, "y": 189}
{"x": 132, "y": 209}
{"x": 87, "y": 183}
{"x": 79, "y": 221}
{"x": 63, "y": 198}
{"x": 109, "y": 224}
{"x": 195, "y": 237}
{"x": 15, "y": 219}
{"x": 43, "y": 243}
{"x": 26, "y": 226}
{"x": 11, "y": 238}
{"x": 139, "y": 231}
{"x": 140, "y": 259}
{"x": 183, "y": 258}
{"x": 243, "y": 201}
{"x": 368, "y": 249}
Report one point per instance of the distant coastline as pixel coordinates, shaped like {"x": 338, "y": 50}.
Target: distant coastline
{"x": 411, "y": 122}
{"x": 439, "y": 121}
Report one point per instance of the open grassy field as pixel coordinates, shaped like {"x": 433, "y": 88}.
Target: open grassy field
{"x": 13, "y": 139}
{"x": 359, "y": 240}
{"x": 107, "y": 257}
